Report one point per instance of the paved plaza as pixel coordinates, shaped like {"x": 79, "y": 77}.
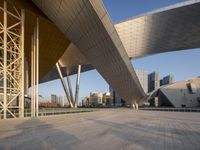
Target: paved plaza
{"x": 106, "y": 129}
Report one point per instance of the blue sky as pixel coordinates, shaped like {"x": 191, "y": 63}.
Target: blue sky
{"x": 181, "y": 64}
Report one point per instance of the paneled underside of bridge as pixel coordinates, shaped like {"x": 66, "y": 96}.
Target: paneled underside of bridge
{"x": 168, "y": 29}
{"x": 88, "y": 25}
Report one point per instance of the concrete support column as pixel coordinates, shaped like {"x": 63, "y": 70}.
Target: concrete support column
{"x": 37, "y": 66}
{"x": 70, "y": 89}
{"x": 21, "y": 102}
{"x": 136, "y": 106}
{"x": 77, "y": 86}
{"x": 133, "y": 105}
{"x": 35, "y": 70}
{"x": 32, "y": 78}
{"x": 63, "y": 84}
{"x": 5, "y": 61}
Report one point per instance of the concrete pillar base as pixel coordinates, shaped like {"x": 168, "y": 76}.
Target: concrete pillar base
{"x": 135, "y": 106}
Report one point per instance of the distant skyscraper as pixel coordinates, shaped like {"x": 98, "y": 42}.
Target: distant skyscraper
{"x": 96, "y": 98}
{"x": 161, "y": 82}
{"x": 61, "y": 101}
{"x": 107, "y": 99}
{"x": 168, "y": 80}
{"x": 142, "y": 76}
{"x": 86, "y": 101}
{"x": 54, "y": 100}
{"x": 117, "y": 100}
{"x": 153, "y": 81}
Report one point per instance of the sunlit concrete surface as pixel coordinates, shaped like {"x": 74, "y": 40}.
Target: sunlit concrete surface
{"x": 107, "y": 129}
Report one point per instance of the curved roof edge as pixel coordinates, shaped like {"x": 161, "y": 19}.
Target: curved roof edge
{"x": 162, "y": 9}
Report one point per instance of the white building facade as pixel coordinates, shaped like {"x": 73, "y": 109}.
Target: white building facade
{"x": 143, "y": 78}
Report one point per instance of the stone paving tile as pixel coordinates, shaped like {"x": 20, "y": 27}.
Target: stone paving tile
{"x": 107, "y": 129}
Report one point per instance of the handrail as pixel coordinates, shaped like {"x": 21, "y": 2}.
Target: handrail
{"x": 172, "y": 109}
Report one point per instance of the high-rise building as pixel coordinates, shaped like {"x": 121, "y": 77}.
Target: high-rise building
{"x": 107, "y": 99}
{"x": 61, "y": 101}
{"x": 153, "y": 81}
{"x": 86, "y": 101}
{"x": 96, "y": 98}
{"x": 117, "y": 100}
{"x": 115, "y": 96}
{"x": 161, "y": 82}
{"x": 65, "y": 101}
{"x": 184, "y": 93}
{"x": 142, "y": 76}
{"x": 169, "y": 79}
{"x": 54, "y": 100}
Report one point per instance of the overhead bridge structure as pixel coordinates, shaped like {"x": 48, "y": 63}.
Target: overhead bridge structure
{"x": 64, "y": 37}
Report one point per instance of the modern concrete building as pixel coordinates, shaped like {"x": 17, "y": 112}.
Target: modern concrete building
{"x": 153, "y": 81}
{"x": 61, "y": 101}
{"x": 117, "y": 100}
{"x": 179, "y": 94}
{"x": 86, "y": 101}
{"x": 143, "y": 78}
{"x": 169, "y": 79}
{"x": 107, "y": 99}
{"x": 96, "y": 99}
{"x": 161, "y": 81}
{"x": 54, "y": 100}
{"x": 81, "y": 37}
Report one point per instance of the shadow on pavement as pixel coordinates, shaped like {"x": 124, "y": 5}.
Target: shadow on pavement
{"x": 35, "y": 134}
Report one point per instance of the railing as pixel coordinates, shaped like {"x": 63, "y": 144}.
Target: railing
{"x": 171, "y": 109}
{"x": 56, "y": 111}
{"x": 51, "y": 111}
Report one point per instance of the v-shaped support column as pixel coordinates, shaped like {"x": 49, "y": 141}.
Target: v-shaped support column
{"x": 70, "y": 88}
{"x": 63, "y": 84}
{"x": 77, "y": 86}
